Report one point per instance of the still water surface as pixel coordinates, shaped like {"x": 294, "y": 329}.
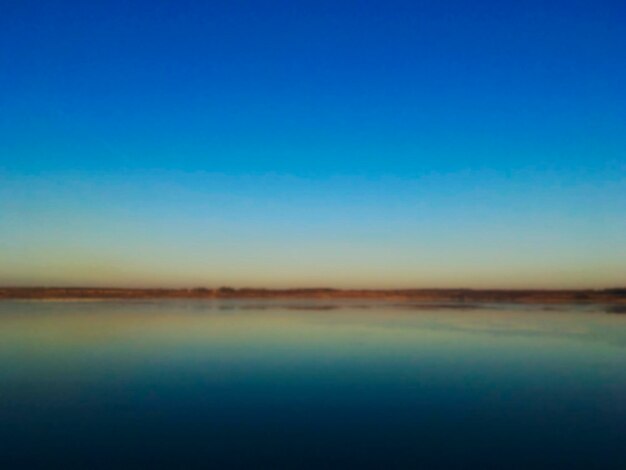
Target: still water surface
{"x": 293, "y": 385}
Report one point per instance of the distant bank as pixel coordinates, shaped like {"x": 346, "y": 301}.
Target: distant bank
{"x": 613, "y": 296}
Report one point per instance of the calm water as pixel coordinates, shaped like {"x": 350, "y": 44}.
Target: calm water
{"x": 267, "y": 385}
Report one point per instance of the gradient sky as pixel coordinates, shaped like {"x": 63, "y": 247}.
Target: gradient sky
{"x": 327, "y": 143}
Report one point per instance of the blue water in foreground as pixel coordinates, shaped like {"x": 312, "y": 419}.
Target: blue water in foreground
{"x": 310, "y": 385}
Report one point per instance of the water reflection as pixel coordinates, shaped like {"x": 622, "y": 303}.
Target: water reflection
{"x": 296, "y": 384}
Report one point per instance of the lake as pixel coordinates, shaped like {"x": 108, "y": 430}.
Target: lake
{"x": 298, "y": 384}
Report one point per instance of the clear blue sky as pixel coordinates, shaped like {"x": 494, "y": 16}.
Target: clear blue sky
{"x": 283, "y": 143}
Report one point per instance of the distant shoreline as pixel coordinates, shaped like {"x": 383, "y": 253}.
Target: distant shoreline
{"x": 523, "y": 296}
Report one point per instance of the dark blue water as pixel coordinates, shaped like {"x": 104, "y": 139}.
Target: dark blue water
{"x": 275, "y": 385}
